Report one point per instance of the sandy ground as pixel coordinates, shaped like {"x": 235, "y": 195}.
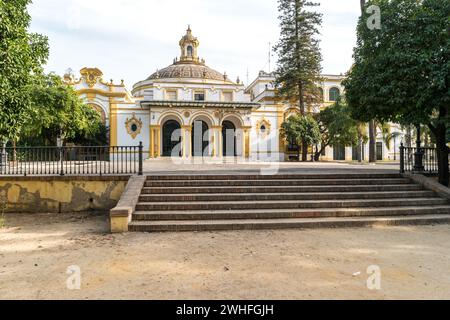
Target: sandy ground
{"x": 35, "y": 251}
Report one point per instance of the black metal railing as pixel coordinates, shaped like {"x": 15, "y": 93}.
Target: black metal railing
{"x": 422, "y": 160}
{"x": 71, "y": 160}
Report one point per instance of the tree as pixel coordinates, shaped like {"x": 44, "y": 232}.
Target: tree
{"x": 300, "y": 128}
{"x": 299, "y": 56}
{"x": 22, "y": 55}
{"x": 337, "y": 127}
{"x": 57, "y": 111}
{"x": 401, "y": 71}
{"x": 372, "y": 124}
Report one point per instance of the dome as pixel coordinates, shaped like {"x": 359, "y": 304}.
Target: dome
{"x": 189, "y": 66}
{"x": 195, "y": 71}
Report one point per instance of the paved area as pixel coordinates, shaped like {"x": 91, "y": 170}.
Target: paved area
{"x": 36, "y": 250}
{"x": 165, "y": 165}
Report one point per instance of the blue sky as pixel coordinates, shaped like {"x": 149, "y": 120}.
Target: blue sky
{"x": 130, "y": 39}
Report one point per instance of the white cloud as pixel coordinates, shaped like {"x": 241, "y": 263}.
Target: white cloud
{"x": 130, "y": 39}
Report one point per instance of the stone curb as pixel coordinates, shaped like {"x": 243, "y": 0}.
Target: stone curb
{"x": 429, "y": 184}
{"x": 120, "y": 216}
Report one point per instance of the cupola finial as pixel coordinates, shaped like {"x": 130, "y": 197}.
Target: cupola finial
{"x": 188, "y": 46}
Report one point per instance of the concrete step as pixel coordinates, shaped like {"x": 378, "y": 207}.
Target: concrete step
{"x": 287, "y": 213}
{"x": 273, "y": 182}
{"x": 287, "y": 204}
{"x": 273, "y": 177}
{"x": 301, "y": 223}
{"x": 284, "y": 196}
{"x": 277, "y": 189}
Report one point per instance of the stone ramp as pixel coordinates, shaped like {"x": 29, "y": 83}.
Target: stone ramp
{"x": 199, "y": 202}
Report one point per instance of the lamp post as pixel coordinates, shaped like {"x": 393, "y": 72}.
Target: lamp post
{"x": 418, "y": 155}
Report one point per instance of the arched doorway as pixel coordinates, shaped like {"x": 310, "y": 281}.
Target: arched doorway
{"x": 200, "y": 139}
{"x": 171, "y": 137}
{"x": 229, "y": 139}
{"x": 339, "y": 152}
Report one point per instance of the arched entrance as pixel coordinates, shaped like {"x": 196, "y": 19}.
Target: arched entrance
{"x": 338, "y": 152}
{"x": 171, "y": 137}
{"x": 200, "y": 139}
{"x": 229, "y": 139}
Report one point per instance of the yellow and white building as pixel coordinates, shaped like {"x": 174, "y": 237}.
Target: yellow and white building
{"x": 190, "y": 110}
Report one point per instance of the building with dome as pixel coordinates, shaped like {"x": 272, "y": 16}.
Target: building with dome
{"x": 191, "y": 110}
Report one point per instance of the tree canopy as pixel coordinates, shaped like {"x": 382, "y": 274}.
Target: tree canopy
{"x": 299, "y": 57}
{"x": 56, "y": 110}
{"x": 22, "y": 55}
{"x": 337, "y": 127}
{"x": 401, "y": 71}
{"x": 300, "y": 128}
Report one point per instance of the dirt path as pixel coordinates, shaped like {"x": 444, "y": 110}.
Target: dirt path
{"x": 36, "y": 250}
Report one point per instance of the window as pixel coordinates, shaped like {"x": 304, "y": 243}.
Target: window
{"x": 199, "y": 96}
{"x": 292, "y": 145}
{"x": 339, "y": 152}
{"x": 379, "y": 151}
{"x": 148, "y": 95}
{"x": 227, "y": 96}
{"x": 171, "y": 95}
{"x": 334, "y": 94}
{"x": 189, "y": 51}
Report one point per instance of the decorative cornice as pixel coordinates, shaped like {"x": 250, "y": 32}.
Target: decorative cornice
{"x": 102, "y": 93}
{"x": 200, "y": 104}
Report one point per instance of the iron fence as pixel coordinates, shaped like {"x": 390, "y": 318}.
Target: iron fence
{"x": 424, "y": 160}
{"x": 71, "y": 160}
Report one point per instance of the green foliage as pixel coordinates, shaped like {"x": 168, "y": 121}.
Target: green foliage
{"x": 299, "y": 57}
{"x": 301, "y": 128}
{"x": 401, "y": 72}
{"x": 337, "y": 126}
{"x": 22, "y": 55}
{"x": 56, "y": 110}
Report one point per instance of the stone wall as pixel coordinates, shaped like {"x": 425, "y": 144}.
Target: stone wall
{"x": 60, "y": 194}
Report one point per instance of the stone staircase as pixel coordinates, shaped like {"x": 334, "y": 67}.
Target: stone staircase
{"x": 231, "y": 202}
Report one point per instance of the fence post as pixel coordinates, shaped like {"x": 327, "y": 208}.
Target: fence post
{"x": 61, "y": 160}
{"x": 402, "y": 158}
{"x": 141, "y": 159}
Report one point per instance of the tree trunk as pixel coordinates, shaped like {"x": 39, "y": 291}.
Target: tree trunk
{"x": 304, "y": 151}
{"x": 362, "y": 3}
{"x": 440, "y": 133}
{"x": 359, "y": 152}
{"x": 317, "y": 156}
{"x": 372, "y": 141}
{"x": 442, "y": 154}
{"x": 408, "y": 137}
{"x": 318, "y": 152}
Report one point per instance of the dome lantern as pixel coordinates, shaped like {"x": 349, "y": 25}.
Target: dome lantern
{"x": 189, "y": 65}
{"x": 189, "y": 45}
